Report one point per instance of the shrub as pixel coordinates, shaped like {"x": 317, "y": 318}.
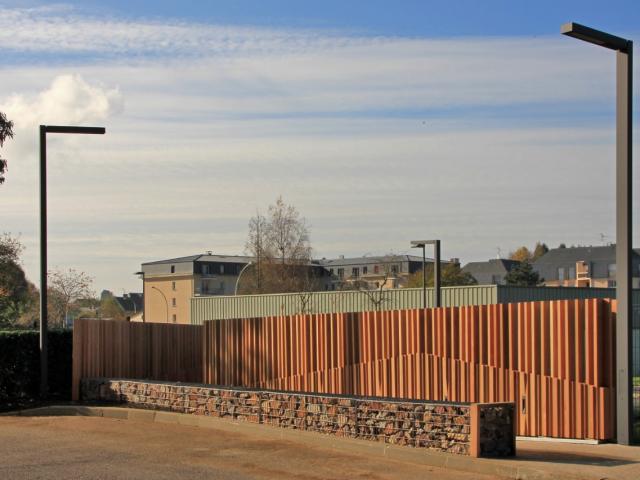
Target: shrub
{"x": 20, "y": 365}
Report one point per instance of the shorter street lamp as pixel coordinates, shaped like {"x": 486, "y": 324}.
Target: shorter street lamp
{"x": 235, "y": 291}
{"x": 44, "y": 129}
{"x": 436, "y": 270}
{"x": 166, "y": 302}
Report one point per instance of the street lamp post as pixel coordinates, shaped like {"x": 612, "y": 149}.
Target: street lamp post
{"x": 44, "y": 129}
{"x": 166, "y": 302}
{"x": 624, "y": 81}
{"x": 235, "y": 291}
{"x": 436, "y": 270}
{"x": 419, "y": 244}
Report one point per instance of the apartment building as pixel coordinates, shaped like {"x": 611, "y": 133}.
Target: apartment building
{"x": 168, "y": 285}
{"x": 389, "y": 271}
{"x": 583, "y": 267}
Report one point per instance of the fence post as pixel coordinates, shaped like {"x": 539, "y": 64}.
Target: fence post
{"x": 474, "y": 434}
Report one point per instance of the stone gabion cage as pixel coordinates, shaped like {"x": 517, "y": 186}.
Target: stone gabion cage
{"x": 465, "y": 429}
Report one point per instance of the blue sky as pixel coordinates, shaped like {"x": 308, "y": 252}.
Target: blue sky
{"x": 474, "y": 122}
{"x": 377, "y": 17}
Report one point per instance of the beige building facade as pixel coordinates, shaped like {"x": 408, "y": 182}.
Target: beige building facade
{"x": 169, "y": 285}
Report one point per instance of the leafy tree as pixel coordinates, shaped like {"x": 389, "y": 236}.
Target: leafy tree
{"x": 523, "y": 275}
{"x": 14, "y": 292}
{"x": 415, "y": 279}
{"x": 110, "y": 308}
{"x": 14, "y": 286}
{"x": 451, "y": 275}
{"x": 522, "y": 254}
{"x": 6, "y": 131}
{"x": 30, "y": 314}
{"x": 539, "y": 250}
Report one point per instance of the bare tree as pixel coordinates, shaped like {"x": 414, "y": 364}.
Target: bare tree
{"x": 376, "y": 287}
{"x": 309, "y": 282}
{"x": 280, "y": 246}
{"x": 255, "y": 246}
{"x": 66, "y": 288}
{"x": 287, "y": 234}
{"x": 6, "y": 131}
{"x": 377, "y": 293}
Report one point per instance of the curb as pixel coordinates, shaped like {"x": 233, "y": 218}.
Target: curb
{"x": 394, "y": 452}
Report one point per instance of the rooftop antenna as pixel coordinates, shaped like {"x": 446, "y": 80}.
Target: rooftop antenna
{"x": 603, "y": 239}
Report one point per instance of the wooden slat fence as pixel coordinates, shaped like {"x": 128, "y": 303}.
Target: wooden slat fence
{"x": 153, "y": 351}
{"x": 553, "y": 359}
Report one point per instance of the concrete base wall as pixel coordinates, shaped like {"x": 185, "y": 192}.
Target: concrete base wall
{"x": 465, "y": 429}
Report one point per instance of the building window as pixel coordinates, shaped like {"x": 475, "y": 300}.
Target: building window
{"x": 205, "y": 286}
{"x": 364, "y": 270}
{"x": 341, "y": 272}
{"x": 376, "y": 269}
{"x": 174, "y": 318}
{"x": 611, "y": 268}
{"x": 221, "y": 268}
{"x": 561, "y": 274}
{"x": 205, "y": 269}
{"x": 222, "y": 286}
{"x": 355, "y": 272}
{"x": 173, "y": 302}
{"x": 331, "y": 271}
{"x": 173, "y": 286}
{"x": 394, "y": 269}
{"x": 572, "y": 273}
{"x": 173, "y": 269}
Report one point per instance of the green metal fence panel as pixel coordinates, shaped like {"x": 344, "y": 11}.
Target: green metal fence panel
{"x": 509, "y": 294}
{"x": 248, "y": 306}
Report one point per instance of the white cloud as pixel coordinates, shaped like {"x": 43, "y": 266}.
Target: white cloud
{"x": 68, "y": 100}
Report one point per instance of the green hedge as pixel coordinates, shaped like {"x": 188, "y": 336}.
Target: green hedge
{"x": 20, "y": 365}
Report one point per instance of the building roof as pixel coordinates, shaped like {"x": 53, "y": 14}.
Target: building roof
{"x": 371, "y": 260}
{"x": 493, "y": 266}
{"x": 560, "y": 256}
{"x": 131, "y": 302}
{"x": 206, "y": 257}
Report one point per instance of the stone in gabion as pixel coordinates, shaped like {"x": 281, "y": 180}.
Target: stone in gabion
{"x": 433, "y": 426}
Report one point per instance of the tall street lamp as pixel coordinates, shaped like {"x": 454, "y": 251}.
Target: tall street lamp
{"x": 436, "y": 270}
{"x": 44, "y": 129}
{"x": 624, "y": 81}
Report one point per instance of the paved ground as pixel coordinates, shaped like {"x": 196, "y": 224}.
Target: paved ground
{"x": 106, "y": 448}
{"x": 606, "y": 461}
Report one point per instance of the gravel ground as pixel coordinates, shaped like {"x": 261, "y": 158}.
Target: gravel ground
{"x": 103, "y": 448}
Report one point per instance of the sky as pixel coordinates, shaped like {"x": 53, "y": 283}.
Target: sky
{"x": 382, "y": 122}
